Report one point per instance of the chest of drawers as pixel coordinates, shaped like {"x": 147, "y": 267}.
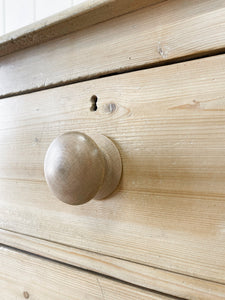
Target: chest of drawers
{"x": 150, "y": 77}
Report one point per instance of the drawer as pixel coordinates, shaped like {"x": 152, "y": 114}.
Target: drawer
{"x": 169, "y": 126}
{"x": 25, "y": 276}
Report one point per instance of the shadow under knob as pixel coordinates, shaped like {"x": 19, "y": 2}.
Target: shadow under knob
{"x": 79, "y": 168}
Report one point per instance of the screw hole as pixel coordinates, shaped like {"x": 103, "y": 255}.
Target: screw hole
{"x": 94, "y": 100}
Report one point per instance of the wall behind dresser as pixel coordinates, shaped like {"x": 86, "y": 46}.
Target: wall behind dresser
{"x": 15, "y": 14}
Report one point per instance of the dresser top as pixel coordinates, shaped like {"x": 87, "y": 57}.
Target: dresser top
{"x": 80, "y": 16}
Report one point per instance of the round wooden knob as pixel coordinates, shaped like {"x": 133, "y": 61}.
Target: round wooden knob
{"x": 78, "y": 168}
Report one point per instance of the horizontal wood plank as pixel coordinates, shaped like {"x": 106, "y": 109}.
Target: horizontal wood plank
{"x": 25, "y": 276}
{"x": 81, "y": 15}
{"x": 153, "y": 35}
{"x": 155, "y": 279}
{"x": 169, "y": 125}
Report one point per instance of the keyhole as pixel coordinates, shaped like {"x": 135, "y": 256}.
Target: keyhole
{"x": 94, "y": 100}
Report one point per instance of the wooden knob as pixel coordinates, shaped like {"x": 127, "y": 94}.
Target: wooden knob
{"x": 78, "y": 168}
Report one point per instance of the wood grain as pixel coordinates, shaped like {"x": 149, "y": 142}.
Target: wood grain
{"x": 169, "y": 125}
{"x": 82, "y": 15}
{"x": 26, "y": 276}
{"x": 153, "y": 35}
{"x": 163, "y": 281}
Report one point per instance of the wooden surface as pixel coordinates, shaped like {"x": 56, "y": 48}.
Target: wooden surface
{"x": 169, "y": 125}
{"x": 178, "y": 285}
{"x": 154, "y": 35}
{"x": 82, "y": 15}
{"x": 26, "y": 276}
{"x": 79, "y": 168}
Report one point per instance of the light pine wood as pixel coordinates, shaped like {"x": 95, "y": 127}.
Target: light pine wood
{"x": 169, "y": 126}
{"x": 82, "y": 15}
{"x": 28, "y": 277}
{"x": 78, "y": 168}
{"x": 157, "y": 34}
{"x": 152, "y": 278}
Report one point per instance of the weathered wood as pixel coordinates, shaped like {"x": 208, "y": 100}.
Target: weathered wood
{"x": 84, "y": 14}
{"x": 169, "y": 125}
{"x": 153, "y": 35}
{"x": 24, "y": 276}
{"x": 155, "y": 279}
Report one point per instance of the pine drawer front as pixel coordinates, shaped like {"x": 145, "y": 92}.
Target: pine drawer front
{"x": 25, "y": 276}
{"x": 169, "y": 126}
